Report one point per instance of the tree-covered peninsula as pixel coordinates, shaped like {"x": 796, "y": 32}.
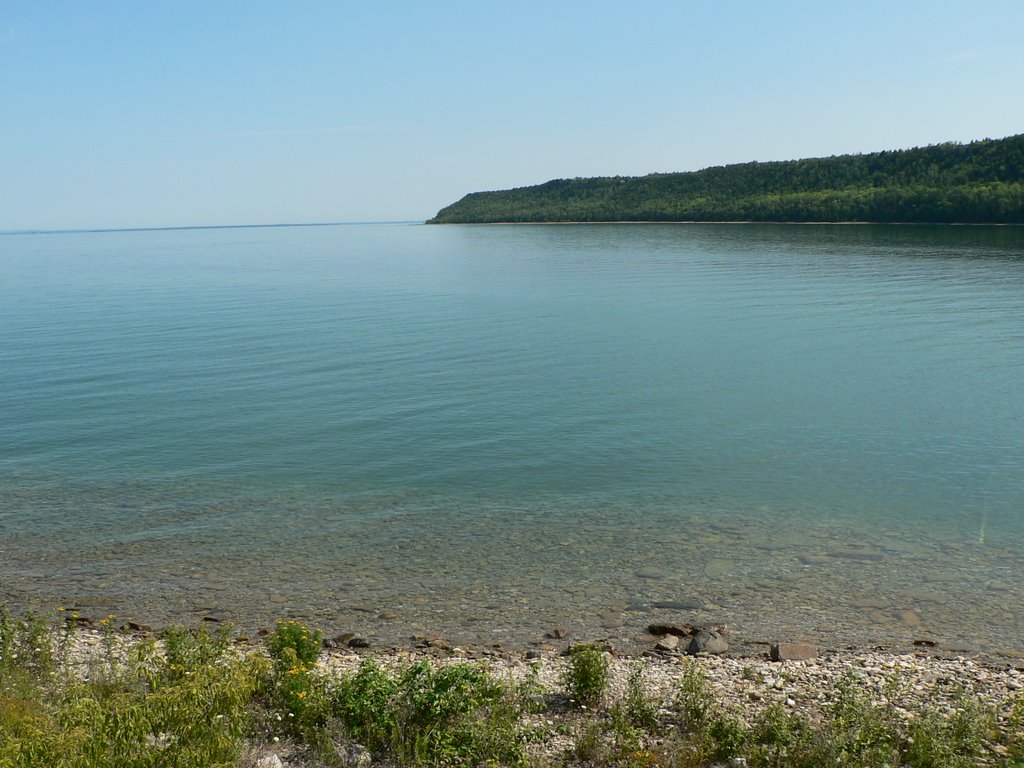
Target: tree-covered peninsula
{"x": 977, "y": 183}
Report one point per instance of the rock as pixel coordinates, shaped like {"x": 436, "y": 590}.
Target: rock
{"x": 679, "y": 605}
{"x": 667, "y": 643}
{"x": 707, "y": 641}
{"x": 339, "y": 641}
{"x": 357, "y": 756}
{"x": 926, "y": 643}
{"x": 611, "y": 621}
{"x": 910, "y": 618}
{"x": 649, "y": 573}
{"x": 534, "y": 654}
{"x": 558, "y": 633}
{"x": 679, "y": 630}
{"x": 277, "y": 597}
{"x": 793, "y": 651}
{"x": 358, "y": 642}
{"x": 269, "y": 761}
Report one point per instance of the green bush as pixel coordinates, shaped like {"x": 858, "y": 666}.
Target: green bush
{"x": 455, "y": 714}
{"x": 587, "y": 676}
{"x": 305, "y": 643}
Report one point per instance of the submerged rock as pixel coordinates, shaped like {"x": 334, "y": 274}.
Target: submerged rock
{"x": 649, "y": 572}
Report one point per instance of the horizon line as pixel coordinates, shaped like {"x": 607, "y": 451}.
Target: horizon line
{"x": 81, "y": 230}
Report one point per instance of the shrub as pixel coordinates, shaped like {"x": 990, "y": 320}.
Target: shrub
{"x": 587, "y": 676}
{"x": 456, "y": 714}
{"x": 304, "y": 642}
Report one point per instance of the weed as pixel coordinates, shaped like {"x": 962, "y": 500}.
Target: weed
{"x": 456, "y": 714}
{"x": 639, "y": 709}
{"x": 304, "y": 642}
{"x": 587, "y": 676}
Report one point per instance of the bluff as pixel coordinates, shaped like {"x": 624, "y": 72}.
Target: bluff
{"x": 977, "y": 183}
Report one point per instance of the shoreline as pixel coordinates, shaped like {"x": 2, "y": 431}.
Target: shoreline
{"x": 744, "y": 221}
{"x": 660, "y": 640}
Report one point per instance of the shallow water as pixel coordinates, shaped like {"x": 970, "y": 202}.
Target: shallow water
{"x": 812, "y": 431}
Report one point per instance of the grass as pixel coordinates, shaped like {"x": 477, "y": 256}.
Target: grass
{"x": 198, "y": 699}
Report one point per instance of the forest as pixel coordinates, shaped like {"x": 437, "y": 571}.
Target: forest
{"x": 977, "y": 183}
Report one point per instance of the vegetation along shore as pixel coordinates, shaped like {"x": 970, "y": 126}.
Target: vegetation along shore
{"x": 977, "y": 183}
{"x": 103, "y": 696}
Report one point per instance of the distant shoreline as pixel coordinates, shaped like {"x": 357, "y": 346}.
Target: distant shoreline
{"x": 747, "y": 222}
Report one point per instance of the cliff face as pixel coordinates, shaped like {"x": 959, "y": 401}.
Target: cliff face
{"x": 980, "y": 182}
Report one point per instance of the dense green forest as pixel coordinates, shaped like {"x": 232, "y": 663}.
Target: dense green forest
{"x": 980, "y": 182}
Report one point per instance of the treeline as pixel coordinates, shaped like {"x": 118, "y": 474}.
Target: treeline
{"x": 980, "y": 182}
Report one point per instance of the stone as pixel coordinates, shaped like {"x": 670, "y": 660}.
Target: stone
{"x": 910, "y": 618}
{"x": 611, "y": 621}
{"x": 667, "y": 643}
{"x": 558, "y": 633}
{"x": 707, "y": 641}
{"x": 338, "y": 641}
{"x": 269, "y": 761}
{"x": 277, "y": 597}
{"x": 793, "y": 651}
{"x": 358, "y": 642}
{"x": 649, "y": 573}
{"x": 679, "y": 630}
{"x": 357, "y": 756}
{"x": 679, "y": 605}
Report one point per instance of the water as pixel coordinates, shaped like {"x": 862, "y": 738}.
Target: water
{"x": 812, "y": 431}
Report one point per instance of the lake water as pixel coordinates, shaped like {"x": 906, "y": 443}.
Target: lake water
{"x": 488, "y": 431}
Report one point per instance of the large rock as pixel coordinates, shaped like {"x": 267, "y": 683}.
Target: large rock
{"x": 679, "y": 630}
{"x": 793, "y": 651}
{"x": 667, "y": 643}
{"x": 708, "y": 641}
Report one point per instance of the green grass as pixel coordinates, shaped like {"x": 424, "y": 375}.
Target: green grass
{"x": 198, "y": 699}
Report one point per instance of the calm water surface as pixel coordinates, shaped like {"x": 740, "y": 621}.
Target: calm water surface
{"x": 812, "y": 431}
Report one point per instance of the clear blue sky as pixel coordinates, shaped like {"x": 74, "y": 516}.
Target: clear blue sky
{"x": 154, "y": 114}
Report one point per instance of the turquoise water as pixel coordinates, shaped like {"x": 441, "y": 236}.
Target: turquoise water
{"x": 407, "y": 425}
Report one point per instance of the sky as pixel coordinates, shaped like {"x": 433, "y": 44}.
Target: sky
{"x": 139, "y": 114}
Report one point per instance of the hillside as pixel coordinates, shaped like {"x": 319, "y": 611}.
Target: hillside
{"x": 980, "y": 182}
